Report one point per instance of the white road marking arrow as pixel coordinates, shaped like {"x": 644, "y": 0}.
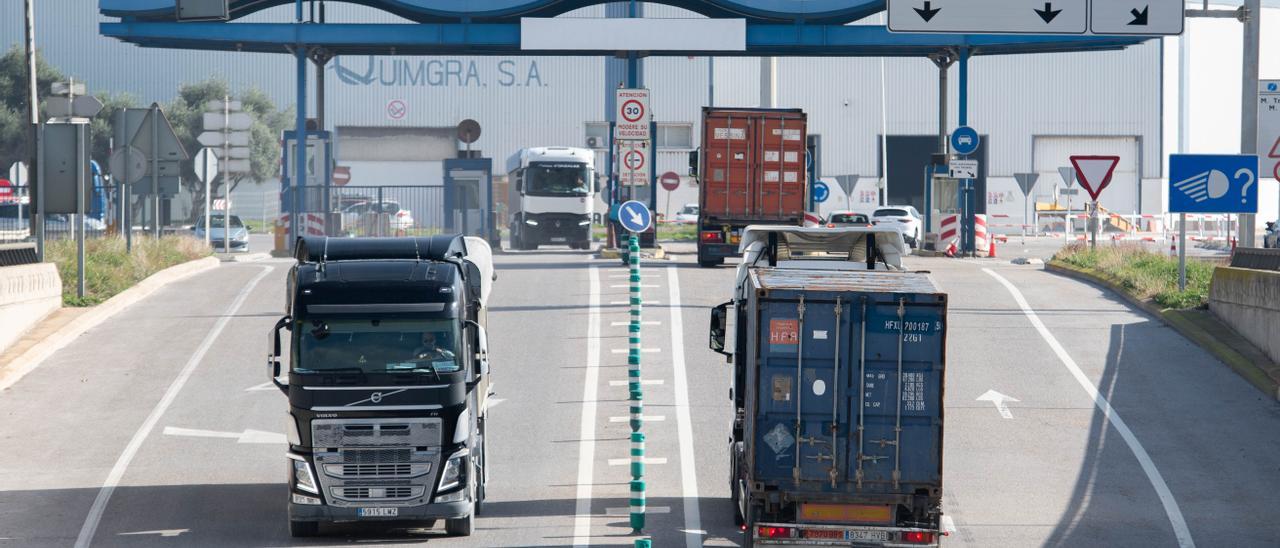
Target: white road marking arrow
{"x": 999, "y": 399}
{"x": 160, "y": 532}
{"x": 248, "y": 436}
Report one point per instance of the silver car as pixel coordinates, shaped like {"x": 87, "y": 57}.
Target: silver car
{"x": 239, "y": 234}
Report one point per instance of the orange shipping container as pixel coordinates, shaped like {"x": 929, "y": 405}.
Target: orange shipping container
{"x": 753, "y": 166}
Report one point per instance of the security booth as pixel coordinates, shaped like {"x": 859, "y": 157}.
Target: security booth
{"x": 308, "y": 195}
{"x": 468, "y": 198}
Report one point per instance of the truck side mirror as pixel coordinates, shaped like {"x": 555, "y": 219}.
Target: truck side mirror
{"x": 719, "y": 326}
{"x": 474, "y": 279}
{"x": 693, "y": 163}
{"x": 273, "y": 358}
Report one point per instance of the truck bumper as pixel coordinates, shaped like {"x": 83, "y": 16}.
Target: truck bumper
{"x": 717, "y": 251}
{"x": 793, "y": 534}
{"x": 326, "y": 513}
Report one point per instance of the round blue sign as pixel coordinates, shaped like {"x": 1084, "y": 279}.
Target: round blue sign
{"x": 821, "y": 192}
{"x": 964, "y": 140}
{"x": 635, "y": 216}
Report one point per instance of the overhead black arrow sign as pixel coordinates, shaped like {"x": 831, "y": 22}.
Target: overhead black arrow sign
{"x": 928, "y": 12}
{"x": 1140, "y": 17}
{"x": 1048, "y": 13}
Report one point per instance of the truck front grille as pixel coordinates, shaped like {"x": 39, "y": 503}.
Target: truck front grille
{"x": 399, "y": 470}
{"x": 376, "y": 493}
{"x": 375, "y": 456}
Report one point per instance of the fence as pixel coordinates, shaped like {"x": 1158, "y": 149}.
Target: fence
{"x": 103, "y": 215}
{"x": 372, "y": 210}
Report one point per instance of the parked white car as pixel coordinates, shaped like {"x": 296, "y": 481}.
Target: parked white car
{"x": 903, "y": 217}
{"x": 687, "y": 214}
{"x": 367, "y": 215}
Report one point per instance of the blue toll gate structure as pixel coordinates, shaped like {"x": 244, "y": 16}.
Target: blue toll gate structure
{"x": 751, "y": 28}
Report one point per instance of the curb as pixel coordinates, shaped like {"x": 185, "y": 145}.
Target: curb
{"x": 95, "y": 316}
{"x": 1197, "y": 327}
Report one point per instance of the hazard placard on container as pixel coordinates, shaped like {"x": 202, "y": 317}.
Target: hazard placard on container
{"x": 784, "y": 332}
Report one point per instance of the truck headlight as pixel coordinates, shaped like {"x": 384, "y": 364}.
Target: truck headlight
{"x": 303, "y": 479}
{"x": 453, "y": 474}
{"x": 531, "y": 222}
{"x": 456, "y": 496}
{"x": 303, "y": 499}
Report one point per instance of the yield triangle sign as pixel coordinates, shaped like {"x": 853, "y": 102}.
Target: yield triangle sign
{"x": 1094, "y": 172}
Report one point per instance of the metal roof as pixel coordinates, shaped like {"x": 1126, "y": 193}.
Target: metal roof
{"x": 492, "y": 27}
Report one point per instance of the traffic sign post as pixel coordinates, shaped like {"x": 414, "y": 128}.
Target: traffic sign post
{"x": 670, "y": 181}
{"x": 207, "y": 168}
{"x": 1269, "y": 129}
{"x": 635, "y": 217}
{"x": 1026, "y": 183}
{"x": 964, "y": 141}
{"x": 632, "y": 115}
{"x": 227, "y": 128}
{"x": 1094, "y": 173}
{"x": 1209, "y": 183}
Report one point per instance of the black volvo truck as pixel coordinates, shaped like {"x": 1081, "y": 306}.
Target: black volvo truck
{"x": 388, "y": 377}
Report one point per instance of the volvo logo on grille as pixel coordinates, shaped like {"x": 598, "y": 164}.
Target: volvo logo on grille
{"x": 376, "y": 397}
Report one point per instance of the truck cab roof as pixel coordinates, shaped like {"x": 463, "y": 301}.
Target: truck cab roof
{"x": 787, "y": 247}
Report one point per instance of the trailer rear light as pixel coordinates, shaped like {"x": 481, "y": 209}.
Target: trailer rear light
{"x": 775, "y": 532}
{"x": 711, "y": 236}
{"x": 917, "y": 537}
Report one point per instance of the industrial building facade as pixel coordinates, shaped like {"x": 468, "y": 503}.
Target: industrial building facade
{"x": 393, "y": 115}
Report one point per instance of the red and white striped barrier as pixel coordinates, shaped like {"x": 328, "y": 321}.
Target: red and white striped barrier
{"x": 312, "y": 224}
{"x": 981, "y": 242}
{"x": 950, "y": 231}
{"x": 812, "y": 220}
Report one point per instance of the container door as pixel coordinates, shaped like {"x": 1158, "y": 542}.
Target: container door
{"x": 727, "y": 173}
{"x": 781, "y": 169}
{"x": 803, "y": 418}
{"x": 900, "y": 397}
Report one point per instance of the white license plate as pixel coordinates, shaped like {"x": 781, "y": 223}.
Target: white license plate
{"x": 878, "y": 536}
{"x": 377, "y": 512}
{"x": 559, "y": 239}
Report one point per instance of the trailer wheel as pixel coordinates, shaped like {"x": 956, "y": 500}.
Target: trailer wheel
{"x": 302, "y": 529}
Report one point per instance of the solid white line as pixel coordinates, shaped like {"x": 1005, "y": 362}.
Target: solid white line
{"x": 587, "y": 431}
{"x": 948, "y": 525}
{"x": 1180, "y": 529}
{"x": 619, "y": 324}
{"x": 628, "y": 275}
{"x": 688, "y": 472}
{"x": 626, "y": 286}
{"x": 643, "y": 418}
{"x": 647, "y": 302}
{"x": 122, "y": 464}
{"x": 647, "y": 460}
{"x": 643, "y": 382}
{"x": 626, "y": 511}
{"x": 642, "y": 350}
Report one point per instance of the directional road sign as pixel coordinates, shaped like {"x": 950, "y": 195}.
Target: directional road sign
{"x": 1094, "y": 172}
{"x": 236, "y": 121}
{"x": 218, "y": 138}
{"x": 1101, "y": 17}
{"x": 632, "y": 123}
{"x": 964, "y": 140}
{"x": 821, "y": 191}
{"x": 1026, "y": 182}
{"x": 1208, "y": 183}
{"x": 964, "y": 169}
{"x": 635, "y": 216}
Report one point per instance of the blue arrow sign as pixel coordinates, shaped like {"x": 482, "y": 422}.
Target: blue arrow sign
{"x": 964, "y": 140}
{"x": 635, "y": 217}
{"x": 821, "y": 192}
{"x": 1207, "y": 183}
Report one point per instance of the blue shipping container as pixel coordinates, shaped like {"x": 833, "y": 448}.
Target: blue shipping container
{"x": 844, "y": 389}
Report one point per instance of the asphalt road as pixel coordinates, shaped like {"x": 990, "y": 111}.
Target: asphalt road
{"x": 1119, "y": 433}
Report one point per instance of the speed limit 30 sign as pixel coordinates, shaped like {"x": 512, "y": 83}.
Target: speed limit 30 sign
{"x": 632, "y": 115}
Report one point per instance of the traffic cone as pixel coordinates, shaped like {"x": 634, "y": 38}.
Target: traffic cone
{"x": 951, "y": 250}
{"x": 991, "y": 252}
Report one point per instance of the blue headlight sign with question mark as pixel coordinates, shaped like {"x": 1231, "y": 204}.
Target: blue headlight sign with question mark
{"x": 1213, "y": 183}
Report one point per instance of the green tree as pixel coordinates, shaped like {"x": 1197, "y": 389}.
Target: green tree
{"x": 14, "y": 122}
{"x": 186, "y": 114}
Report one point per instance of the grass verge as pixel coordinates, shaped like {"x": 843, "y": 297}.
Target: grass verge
{"x": 1144, "y": 275}
{"x": 109, "y": 269}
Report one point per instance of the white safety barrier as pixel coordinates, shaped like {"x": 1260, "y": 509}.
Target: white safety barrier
{"x": 312, "y": 224}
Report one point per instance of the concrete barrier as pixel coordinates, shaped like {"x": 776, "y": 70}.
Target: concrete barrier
{"x": 28, "y": 293}
{"x": 1249, "y": 301}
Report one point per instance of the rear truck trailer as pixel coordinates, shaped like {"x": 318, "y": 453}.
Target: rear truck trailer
{"x": 388, "y": 381}
{"x": 752, "y": 171}
{"x": 838, "y": 358}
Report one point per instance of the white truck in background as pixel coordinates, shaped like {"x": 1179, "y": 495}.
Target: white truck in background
{"x": 552, "y": 196}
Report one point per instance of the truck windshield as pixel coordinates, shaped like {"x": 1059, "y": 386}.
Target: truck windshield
{"x": 550, "y": 179}
{"x": 377, "y": 346}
